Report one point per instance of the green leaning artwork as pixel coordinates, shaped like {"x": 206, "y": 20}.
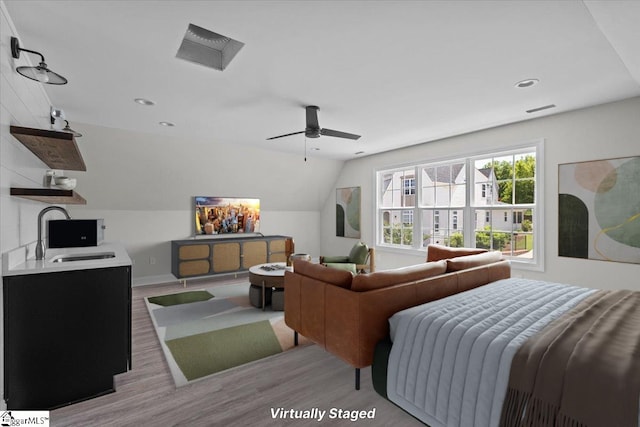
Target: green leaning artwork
{"x": 599, "y": 210}
{"x": 348, "y": 212}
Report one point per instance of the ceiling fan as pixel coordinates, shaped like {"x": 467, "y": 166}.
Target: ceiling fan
{"x": 313, "y": 129}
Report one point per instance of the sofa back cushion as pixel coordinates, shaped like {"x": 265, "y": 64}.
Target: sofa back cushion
{"x": 358, "y": 254}
{"x": 438, "y": 252}
{"x": 470, "y": 261}
{"x": 334, "y": 276}
{"x": 382, "y": 279}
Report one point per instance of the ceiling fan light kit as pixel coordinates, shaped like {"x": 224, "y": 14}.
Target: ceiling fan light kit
{"x": 40, "y": 73}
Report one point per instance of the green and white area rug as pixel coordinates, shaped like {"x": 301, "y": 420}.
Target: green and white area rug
{"x": 206, "y": 331}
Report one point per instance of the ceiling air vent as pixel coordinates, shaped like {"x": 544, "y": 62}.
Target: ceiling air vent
{"x": 546, "y": 107}
{"x": 207, "y": 48}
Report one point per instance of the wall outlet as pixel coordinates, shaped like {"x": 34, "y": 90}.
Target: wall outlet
{"x": 152, "y": 260}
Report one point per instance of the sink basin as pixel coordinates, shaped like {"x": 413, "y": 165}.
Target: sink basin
{"x": 83, "y": 257}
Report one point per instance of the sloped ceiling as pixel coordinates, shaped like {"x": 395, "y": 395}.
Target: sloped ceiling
{"x": 396, "y": 72}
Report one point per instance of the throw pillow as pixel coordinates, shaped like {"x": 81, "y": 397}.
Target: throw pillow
{"x": 470, "y": 261}
{"x": 358, "y": 254}
{"x": 438, "y": 252}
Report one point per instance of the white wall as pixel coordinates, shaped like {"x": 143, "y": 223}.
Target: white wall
{"x": 143, "y": 186}
{"x": 22, "y": 102}
{"x": 601, "y": 132}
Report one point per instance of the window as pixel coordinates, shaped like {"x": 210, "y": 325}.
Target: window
{"x": 409, "y": 186}
{"x": 407, "y": 217}
{"x": 396, "y": 204}
{"x": 485, "y": 201}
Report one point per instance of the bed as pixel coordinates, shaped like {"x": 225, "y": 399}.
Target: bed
{"x": 516, "y": 352}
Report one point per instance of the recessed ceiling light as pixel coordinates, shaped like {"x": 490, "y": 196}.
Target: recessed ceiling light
{"x": 359, "y": 152}
{"x": 167, "y": 124}
{"x": 143, "y": 101}
{"x": 527, "y": 83}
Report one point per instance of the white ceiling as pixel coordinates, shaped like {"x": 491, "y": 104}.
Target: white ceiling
{"x": 396, "y": 72}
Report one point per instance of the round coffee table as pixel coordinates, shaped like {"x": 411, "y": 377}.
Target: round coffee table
{"x": 265, "y": 277}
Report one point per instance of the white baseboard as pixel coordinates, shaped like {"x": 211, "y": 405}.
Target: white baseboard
{"x": 170, "y": 278}
{"x": 153, "y": 280}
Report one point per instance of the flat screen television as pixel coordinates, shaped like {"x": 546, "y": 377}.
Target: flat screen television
{"x": 226, "y": 215}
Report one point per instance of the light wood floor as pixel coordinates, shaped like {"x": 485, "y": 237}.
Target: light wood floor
{"x": 300, "y": 379}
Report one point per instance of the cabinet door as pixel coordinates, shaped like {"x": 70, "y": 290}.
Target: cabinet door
{"x": 193, "y": 260}
{"x": 254, "y": 253}
{"x": 226, "y": 257}
{"x": 277, "y": 250}
{"x": 66, "y": 335}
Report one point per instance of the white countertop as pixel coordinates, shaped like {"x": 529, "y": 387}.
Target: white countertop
{"x": 31, "y": 266}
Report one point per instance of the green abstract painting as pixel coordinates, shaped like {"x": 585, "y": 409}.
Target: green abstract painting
{"x": 599, "y": 210}
{"x": 348, "y": 212}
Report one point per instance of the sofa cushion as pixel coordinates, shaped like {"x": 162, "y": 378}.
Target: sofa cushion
{"x": 358, "y": 254}
{"x": 319, "y": 272}
{"x": 382, "y": 279}
{"x": 346, "y": 266}
{"x": 470, "y": 261}
{"x": 438, "y": 252}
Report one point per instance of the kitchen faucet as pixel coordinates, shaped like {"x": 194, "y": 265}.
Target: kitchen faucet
{"x": 40, "y": 244}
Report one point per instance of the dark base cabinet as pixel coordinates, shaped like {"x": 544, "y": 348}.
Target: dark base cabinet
{"x": 66, "y": 335}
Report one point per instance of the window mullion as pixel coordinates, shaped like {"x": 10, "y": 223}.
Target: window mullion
{"x": 469, "y": 211}
{"x": 417, "y": 217}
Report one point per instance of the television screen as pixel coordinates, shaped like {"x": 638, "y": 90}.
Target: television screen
{"x": 222, "y": 215}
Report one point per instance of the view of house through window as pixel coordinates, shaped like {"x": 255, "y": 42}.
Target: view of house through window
{"x": 486, "y": 201}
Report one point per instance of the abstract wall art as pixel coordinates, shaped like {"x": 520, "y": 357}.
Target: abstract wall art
{"x": 348, "y": 212}
{"x": 599, "y": 210}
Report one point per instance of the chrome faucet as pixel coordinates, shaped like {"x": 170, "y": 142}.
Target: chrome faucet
{"x": 40, "y": 244}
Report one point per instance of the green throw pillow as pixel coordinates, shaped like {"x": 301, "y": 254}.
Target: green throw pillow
{"x": 339, "y": 258}
{"x": 358, "y": 254}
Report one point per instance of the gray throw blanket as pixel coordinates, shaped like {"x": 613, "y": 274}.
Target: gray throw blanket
{"x": 583, "y": 369}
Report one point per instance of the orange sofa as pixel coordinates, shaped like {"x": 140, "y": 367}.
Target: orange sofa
{"x": 347, "y": 315}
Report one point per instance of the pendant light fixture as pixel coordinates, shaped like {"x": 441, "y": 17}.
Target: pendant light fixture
{"x": 67, "y": 128}
{"x": 40, "y": 73}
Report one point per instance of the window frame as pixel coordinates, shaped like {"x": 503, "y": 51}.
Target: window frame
{"x": 470, "y": 210}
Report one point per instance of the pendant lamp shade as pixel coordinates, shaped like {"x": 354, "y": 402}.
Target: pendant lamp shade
{"x": 41, "y": 73}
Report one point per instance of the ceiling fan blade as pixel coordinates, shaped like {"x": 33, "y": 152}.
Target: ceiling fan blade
{"x": 282, "y": 136}
{"x": 338, "y": 134}
{"x": 312, "y": 117}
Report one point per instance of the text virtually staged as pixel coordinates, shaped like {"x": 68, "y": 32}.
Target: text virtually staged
{"x": 320, "y": 414}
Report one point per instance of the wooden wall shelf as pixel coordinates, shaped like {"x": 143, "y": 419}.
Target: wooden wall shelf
{"x": 56, "y": 149}
{"x": 49, "y": 195}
